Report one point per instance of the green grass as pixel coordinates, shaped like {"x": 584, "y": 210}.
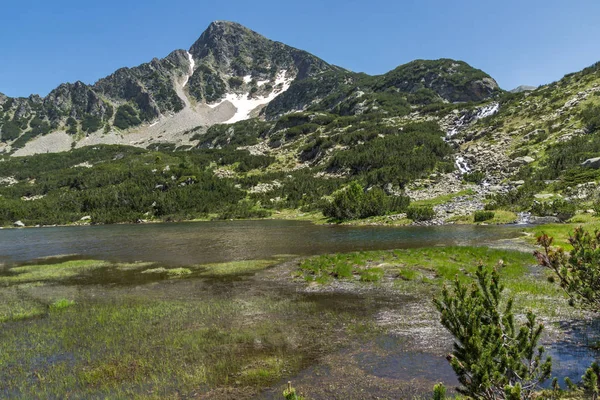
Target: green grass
{"x": 174, "y": 338}
{"x": 351, "y": 266}
{"x": 561, "y": 232}
{"x": 15, "y": 305}
{"x": 236, "y": 267}
{"x": 50, "y": 272}
{"x": 422, "y": 272}
{"x": 315, "y": 217}
{"x": 61, "y": 304}
{"x": 169, "y": 342}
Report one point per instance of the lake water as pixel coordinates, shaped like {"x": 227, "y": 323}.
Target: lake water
{"x": 209, "y": 242}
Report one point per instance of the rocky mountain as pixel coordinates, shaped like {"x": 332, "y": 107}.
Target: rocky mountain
{"x": 275, "y": 128}
{"x": 229, "y": 74}
{"x": 523, "y": 88}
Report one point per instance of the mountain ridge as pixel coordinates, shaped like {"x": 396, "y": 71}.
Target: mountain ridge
{"x": 229, "y": 73}
{"x": 270, "y": 143}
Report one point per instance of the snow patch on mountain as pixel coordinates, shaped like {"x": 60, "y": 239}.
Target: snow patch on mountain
{"x": 191, "y": 71}
{"x": 245, "y": 103}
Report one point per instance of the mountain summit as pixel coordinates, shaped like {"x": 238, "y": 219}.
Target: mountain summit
{"x": 229, "y": 74}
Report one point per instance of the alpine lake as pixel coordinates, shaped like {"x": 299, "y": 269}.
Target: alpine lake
{"x": 234, "y": 310}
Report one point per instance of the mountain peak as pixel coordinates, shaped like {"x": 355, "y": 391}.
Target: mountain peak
{"x": 221, "y": 34}
{"x": 452, "y": 80}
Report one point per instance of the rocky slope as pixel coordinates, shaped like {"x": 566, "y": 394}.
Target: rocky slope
{"x": 287, "y": 130}
{"x": 229, "y": 74}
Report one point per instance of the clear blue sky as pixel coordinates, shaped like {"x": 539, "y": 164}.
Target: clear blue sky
{"x": 44, "y": 43}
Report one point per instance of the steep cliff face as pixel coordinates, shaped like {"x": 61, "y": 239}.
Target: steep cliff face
{"x": 149, "y": 86}
{"x": 234, "y": 59}
{"x": 75, "y": 100}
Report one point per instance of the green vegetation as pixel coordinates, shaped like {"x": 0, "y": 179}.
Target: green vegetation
{"x": 355, "y": 203}
{"x": 578, "y": 272}
{"x": 493, "y": 358}
{"x": 171, "y": 272}
{"x": 482, "y": 216}
{"x": 92, "y": 123}
{"x": 61, "y": 304}
{"x": 398, "y": 158}
{"x": 71, "y": 126}
{"x": 420, "y": 213}
{"x": 236, "y": 267}
{"x": 125, "y": 184}
{"x": 180, "y": 337}
{"x": 474, "y": 177}
{"x": 10, "y": 131}
{"x": 290, "y": 393}
{"x": 243, "y": 133}
{"x": 126, "y": 117}
{"x": 49, "y": 272}
{"x": 340, "y": 266}
{"x": 422, "y": 272}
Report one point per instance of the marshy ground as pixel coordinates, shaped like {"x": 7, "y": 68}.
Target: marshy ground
{"x": 356, "y": 325}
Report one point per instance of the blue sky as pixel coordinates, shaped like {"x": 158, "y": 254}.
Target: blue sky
{"x": 44, "y": 43}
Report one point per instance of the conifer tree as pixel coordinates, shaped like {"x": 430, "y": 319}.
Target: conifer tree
{"x": 493, "y": 357}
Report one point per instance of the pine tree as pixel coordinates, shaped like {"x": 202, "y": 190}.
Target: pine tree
{"x": 578, "y": 273}
{"x": 493, "y": 358}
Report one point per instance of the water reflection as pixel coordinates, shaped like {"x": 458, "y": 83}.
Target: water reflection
{"x": 207, "y": 242}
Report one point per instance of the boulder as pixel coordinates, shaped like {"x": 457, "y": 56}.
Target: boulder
{"x": 591, "y": 163}
{"x": 544, "y": 220}
{"x": 519, "y": 161}
{"x": 18, "y": 224}
{"x": 528, "y": 160}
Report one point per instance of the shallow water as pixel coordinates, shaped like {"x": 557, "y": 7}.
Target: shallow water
{"x": 572, "y": 355}
{"x": 209, "y": 242}
{"x": 386, "y": 367}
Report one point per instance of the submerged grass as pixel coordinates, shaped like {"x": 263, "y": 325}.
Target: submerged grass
{"x": 171, "y": 272}
{"x": 422, "y": 272}
{"x": 180, "y": 338}
{"x": 49, "y": 272}
{"x": 167, "y": 339}
{"x": 236, "y": 267}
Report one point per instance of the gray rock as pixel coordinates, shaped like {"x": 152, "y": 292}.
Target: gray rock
{"x": 528, "y": 159}
{"x": 523, "y": 88}
{"x": 544, "y": 220}
{"x": 591, "y": 163}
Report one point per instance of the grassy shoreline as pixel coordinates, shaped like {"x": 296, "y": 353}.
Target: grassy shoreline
{"x": 92, "y": 328}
